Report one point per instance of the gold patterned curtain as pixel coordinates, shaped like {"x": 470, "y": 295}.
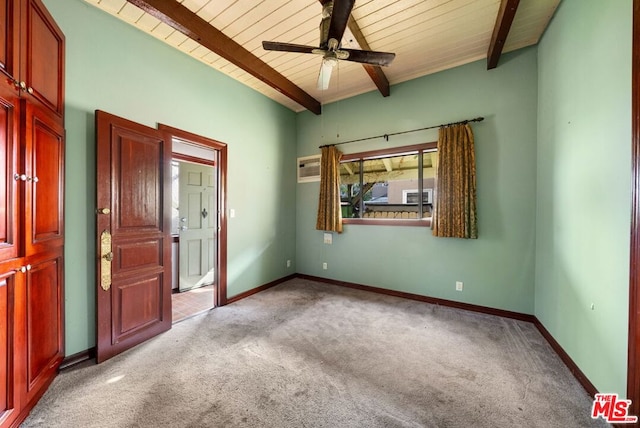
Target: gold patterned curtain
{"x": 329, "y": 211}
{"x": 455, "y": 213}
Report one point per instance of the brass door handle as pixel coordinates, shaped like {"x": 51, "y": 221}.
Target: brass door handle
{"x": 106, "y": 256}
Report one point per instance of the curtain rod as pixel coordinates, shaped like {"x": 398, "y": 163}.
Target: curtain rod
{"x": 386, "y": 136}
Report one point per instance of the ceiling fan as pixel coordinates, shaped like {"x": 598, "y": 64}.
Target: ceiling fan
{"x": 335, "y": 15}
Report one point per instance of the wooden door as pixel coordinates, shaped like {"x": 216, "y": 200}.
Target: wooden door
{"x": 9, "y": 37}
{"x": 43, "y": 138}
{"x": 42, "y": 61}
{"x": 9, "y": 399}
{"x": 12, "y": 174}
{"x": 44, "y": 323}
{"x": 198, "y": 225}
{"x": 134, "y": 208}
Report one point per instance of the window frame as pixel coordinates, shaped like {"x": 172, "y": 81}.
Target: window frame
{"x": 394, "y": 151}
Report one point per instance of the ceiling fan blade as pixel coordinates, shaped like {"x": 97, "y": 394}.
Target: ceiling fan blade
{"x": 368, "y": 57}
{"x": 290, "y": 47}
{"x": 325, "y": 75}
{"x": 339, "y": 18}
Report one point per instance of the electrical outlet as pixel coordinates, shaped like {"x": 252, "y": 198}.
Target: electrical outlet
{"x": 459, "y": 285}
{"x": 325, "y": 266}
{"x": 288, "y": 263}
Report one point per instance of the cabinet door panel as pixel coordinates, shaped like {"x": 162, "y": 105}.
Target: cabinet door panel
{"x": 9, "y": 214}
{"x": 43, "y": 57}
{"x": 8, "y": 344}
{"x": 44, "y": 323}
{"x": 9, "y": 37}
{"x": 44, "y": 142}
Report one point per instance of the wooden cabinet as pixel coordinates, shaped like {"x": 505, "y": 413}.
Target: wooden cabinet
{"x": 42, "y": 60}
{"x": 9, "y": 399}
{"x": 9, "y": 159}
{"x": 44, "y": 325}
{"x": 31, "y": 205}
{"x": 10, "y": 15}
{"x": 32, "y": 53}
{"x": 43, "y": 146}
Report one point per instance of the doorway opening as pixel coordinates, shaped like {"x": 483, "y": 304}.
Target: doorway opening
{"x": 194, "y": 229}
{"x": 198, "y": 235}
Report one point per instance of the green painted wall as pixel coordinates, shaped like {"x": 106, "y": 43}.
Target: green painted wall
{"x": 584, "y": 176}
{"x": 498, "y": 268}
{"x": 114, "y": 67}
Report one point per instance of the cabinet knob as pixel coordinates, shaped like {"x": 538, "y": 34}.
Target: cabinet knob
{"x": 36, "y": 179}
{"x": 22, "y": 177}
{"x": 104, "y": 211}
{"x": 30, "y": 90}
{"x": 23, "y": 269}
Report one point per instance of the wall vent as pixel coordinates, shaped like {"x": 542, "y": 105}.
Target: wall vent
{"x": 309, "y": 169}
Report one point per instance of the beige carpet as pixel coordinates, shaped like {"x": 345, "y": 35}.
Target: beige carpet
{"x": 305, "y": 354}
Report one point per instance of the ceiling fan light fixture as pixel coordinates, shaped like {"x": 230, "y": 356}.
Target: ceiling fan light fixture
{"x": 325, "y": 73}
{"x": 330, "y": 61}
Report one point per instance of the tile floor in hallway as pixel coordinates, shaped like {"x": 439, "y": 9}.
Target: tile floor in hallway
{"x": 191, "y": 302}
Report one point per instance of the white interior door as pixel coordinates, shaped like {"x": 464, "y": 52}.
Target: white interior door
{"x": 197, "y": 225}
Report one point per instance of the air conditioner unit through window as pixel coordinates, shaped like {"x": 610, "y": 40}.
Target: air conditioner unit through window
{"x": 309, "y": 169}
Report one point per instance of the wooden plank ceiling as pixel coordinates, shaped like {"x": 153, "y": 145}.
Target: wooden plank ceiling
{"x": 427, "y": 36}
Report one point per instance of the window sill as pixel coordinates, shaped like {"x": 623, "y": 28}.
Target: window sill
{"x": 388, "y": 222}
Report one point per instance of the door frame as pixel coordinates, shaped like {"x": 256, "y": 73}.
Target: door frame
{"x": 221, "y": 242}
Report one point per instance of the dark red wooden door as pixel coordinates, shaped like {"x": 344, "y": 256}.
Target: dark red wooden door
{"x": 9, "y": 37}
{"x": 42, "y": 69}
{"x": 9, "y": 399}
{"x": 43, "y": 137}
{"x": 44, "y": 323}
{"x": 134, "y": 269}
{"x": 11, "y": 174}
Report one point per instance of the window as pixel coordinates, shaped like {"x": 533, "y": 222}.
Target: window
{"x": 411, "y": 196}
{"x": 382, "y": 187}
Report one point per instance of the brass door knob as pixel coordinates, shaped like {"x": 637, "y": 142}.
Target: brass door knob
{"x": 104, "y": 211}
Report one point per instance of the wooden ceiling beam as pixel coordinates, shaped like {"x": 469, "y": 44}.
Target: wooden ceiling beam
{"x": 191, "y": 25}
{"x": 504, "y": 20}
